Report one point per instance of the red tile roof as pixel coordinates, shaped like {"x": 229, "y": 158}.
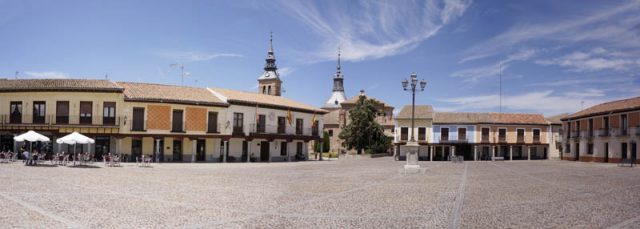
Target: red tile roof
{"x": 488, "y": 118}
{"x": 146, "y": 92}
{"x": 608, "y": 107}
{"x": 89, "y": 85}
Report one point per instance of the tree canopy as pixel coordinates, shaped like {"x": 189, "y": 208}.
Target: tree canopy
{"x": 363, "y": 132}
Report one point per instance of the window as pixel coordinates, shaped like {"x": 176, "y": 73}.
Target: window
{"x": 444, "y": 134}
{"x": 177, "y": 121}
{"x": 536, "y": 135}
{"x": 299, "y": 127}
{"x": 462, "y": 134}
{"x": 212, "y": 122}
{"x": 485, "y": 134}
{"x": 299, "y": 148}
{"x": 282, "y": 125}
{"x": 109, "y": 113}
{"x": 16, "y": 112}
{"x": 314, "y": 129}
{"x": 283, "y": 148}
{"x": 330, "y": 133}
{"x": 520, "y": 135}
{"x": 86, "y": 112}
{"x": 605, "y": 132}
{"x": 422, "y": 134}
{"x": 404, "y": 133}
{"x": 62, "y": 112}
{"x": 261, "y": 125}
{"x": 238, "y": 120}
{"x": 590, "y": 148}
{"x": 269, "y": 90}
{"x": 138, "y": 119}
{"x": 502, "y": 135}
{"x": 39, "y": 111}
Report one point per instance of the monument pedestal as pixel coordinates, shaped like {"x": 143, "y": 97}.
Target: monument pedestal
{"x": 412, "y": 158}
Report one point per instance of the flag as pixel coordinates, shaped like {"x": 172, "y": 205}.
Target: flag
{"x": 289, "y": 117}
{"x": 313, "y": 120}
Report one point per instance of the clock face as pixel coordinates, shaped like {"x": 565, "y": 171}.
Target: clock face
{"x": 272, "y": 116}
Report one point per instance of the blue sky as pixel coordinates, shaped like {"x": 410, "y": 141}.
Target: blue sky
{"x": 555, "y": 56}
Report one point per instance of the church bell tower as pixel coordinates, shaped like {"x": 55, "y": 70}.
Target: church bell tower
{"x": 269, "y": 82}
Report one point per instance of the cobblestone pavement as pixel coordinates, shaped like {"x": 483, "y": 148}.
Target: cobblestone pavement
{"x": 361, "y": 193}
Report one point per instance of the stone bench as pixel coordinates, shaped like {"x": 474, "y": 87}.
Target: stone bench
{"x": 626, "y": 163}
{"x": 498, "y": 158}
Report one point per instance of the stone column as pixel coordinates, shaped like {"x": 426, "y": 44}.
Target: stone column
{"x": 475, "y": 153}
{"x": 269, "y": 151}
{"x": 157, "y": 150}
{"x": 510, "y": 153}
{"x": 528, "y": 153}
{"x": 453, "y": 150}
{"x": 249, "y": 143}
{"x": 431, "y": 154}
{"x": 224, "y": 151}
{"x": 193, "y": 150}
{"x": 493, "y": 153}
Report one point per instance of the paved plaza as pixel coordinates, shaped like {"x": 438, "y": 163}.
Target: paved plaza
{"x": 362, "y": 193}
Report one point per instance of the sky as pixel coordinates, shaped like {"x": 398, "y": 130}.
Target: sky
{"x": 552, "y": 56}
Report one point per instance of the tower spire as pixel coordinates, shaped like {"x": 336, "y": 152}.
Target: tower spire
{"x": 270, "y": 42}
{"x": 269, "y": 82}
{"x": 339, "y": 67}
{"x": 337, "y": 96}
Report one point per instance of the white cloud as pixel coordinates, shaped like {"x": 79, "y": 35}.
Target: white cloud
{"x": 48, "y": 75}
{"x": 285, "y": 71}
{"x": 613, "y": 26}
{"x": 478, "y": 73}
{"x": 194, "y": 56}
{"x": 546, "y": 102}
{"x": 377, "y": 29}
{"x": 595, "y": 60}
{"x": 600, "y": 80}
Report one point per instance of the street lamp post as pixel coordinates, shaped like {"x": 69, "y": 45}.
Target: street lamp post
{"x": 412, "y": 145}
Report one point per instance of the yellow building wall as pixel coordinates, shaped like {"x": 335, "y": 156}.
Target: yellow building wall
{"x": 147, "y": 145}
{"x": 50, "y": 99}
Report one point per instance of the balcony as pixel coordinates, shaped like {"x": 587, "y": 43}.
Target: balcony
{"x": 536, "y": 139}
{"x": 53, "y": 120}
{"x": 140, "y": 125}
{"x": 604, "y": 132}
{"x": 485, "y": 139}
{"x": 446, "y": 139}
{"x": 238, "y": 131}
{"x": 502, "y": 139}
{"x": 282, "y": 130}
{"x": 575, "y": 134}
{"x": 213, "y": 128}
{"x": 520, "y": 139}
{"x": 623, "y": 132}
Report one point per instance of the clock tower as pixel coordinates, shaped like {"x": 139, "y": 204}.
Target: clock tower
{"x": 269, "y": 82}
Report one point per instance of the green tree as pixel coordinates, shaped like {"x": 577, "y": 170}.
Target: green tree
{"x": 327, "y": 143}
{"x": 363, "y": 132}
